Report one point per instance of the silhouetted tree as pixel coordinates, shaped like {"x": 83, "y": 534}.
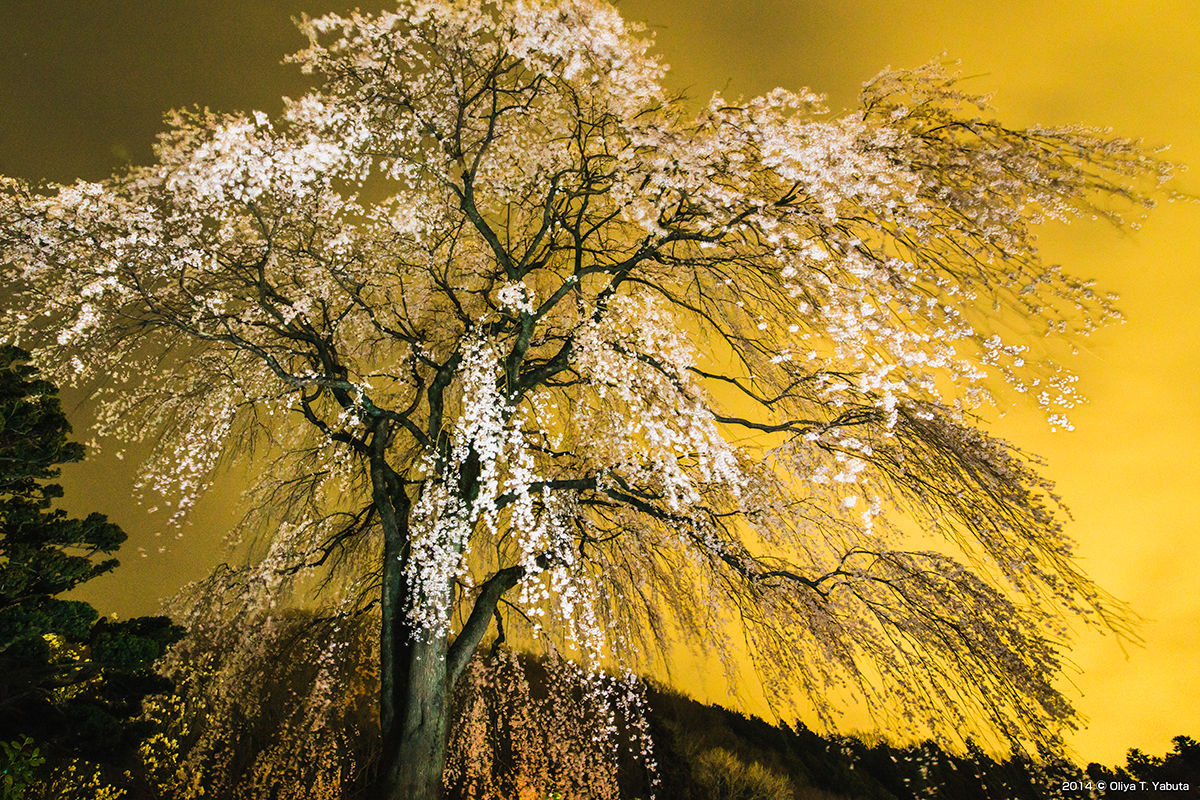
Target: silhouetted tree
{"x": 67, "y": 679}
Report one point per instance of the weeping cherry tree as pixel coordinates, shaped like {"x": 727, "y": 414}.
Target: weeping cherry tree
{"x": 511, "y": 334}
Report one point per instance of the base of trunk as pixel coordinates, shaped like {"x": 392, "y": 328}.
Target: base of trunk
{"x": 415, "y": 756}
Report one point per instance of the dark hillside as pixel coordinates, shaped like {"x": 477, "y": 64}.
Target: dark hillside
{"x": 526, "y": 729}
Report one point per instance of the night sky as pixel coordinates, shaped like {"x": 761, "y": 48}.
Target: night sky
{"x": 85, "y": 84}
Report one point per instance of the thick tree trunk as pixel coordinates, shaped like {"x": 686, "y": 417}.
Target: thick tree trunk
{"x": 414, "y": 697}
{"x": 416, "y": 755}
{"x": 415, "y": 742}
{"x": 418, "y": 675}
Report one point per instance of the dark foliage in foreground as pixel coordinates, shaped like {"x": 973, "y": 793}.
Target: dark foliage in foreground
{"x": 703, "y": 749}
{"x": 703, "y": 752}
{"x": 1180, "y": 766}
{"x": 71, "y": 681}
{"x": 813, "y": 767}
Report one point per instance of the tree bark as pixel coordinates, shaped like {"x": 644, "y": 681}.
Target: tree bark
{"x": 413, "y": 765}
{"x": 413, "y": 697}
{"x": 415, "y": 756}
{"x": 418, "y": 674}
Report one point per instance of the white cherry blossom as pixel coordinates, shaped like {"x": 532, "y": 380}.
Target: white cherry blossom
{"x": 507, "y": 332}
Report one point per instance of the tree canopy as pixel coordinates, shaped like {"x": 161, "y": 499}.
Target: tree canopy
{"x": 66, "y": 678}
{"x": 513, "y": 334}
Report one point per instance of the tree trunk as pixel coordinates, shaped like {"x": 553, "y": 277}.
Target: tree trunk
{"x": 414, "y": 698}
{"x": 418, "y": 675}
{"x": 416, "y": 755}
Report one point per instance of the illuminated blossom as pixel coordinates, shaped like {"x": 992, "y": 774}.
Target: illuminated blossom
{"x": 600, "y": 366}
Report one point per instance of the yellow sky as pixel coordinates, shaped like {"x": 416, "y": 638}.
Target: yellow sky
{"x": 85, "y": 84}
{"x": 1130, "y": 472}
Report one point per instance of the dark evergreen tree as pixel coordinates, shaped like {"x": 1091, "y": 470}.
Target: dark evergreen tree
{"x": 71, "y": 681}
{"x": 1176, "y": 769}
